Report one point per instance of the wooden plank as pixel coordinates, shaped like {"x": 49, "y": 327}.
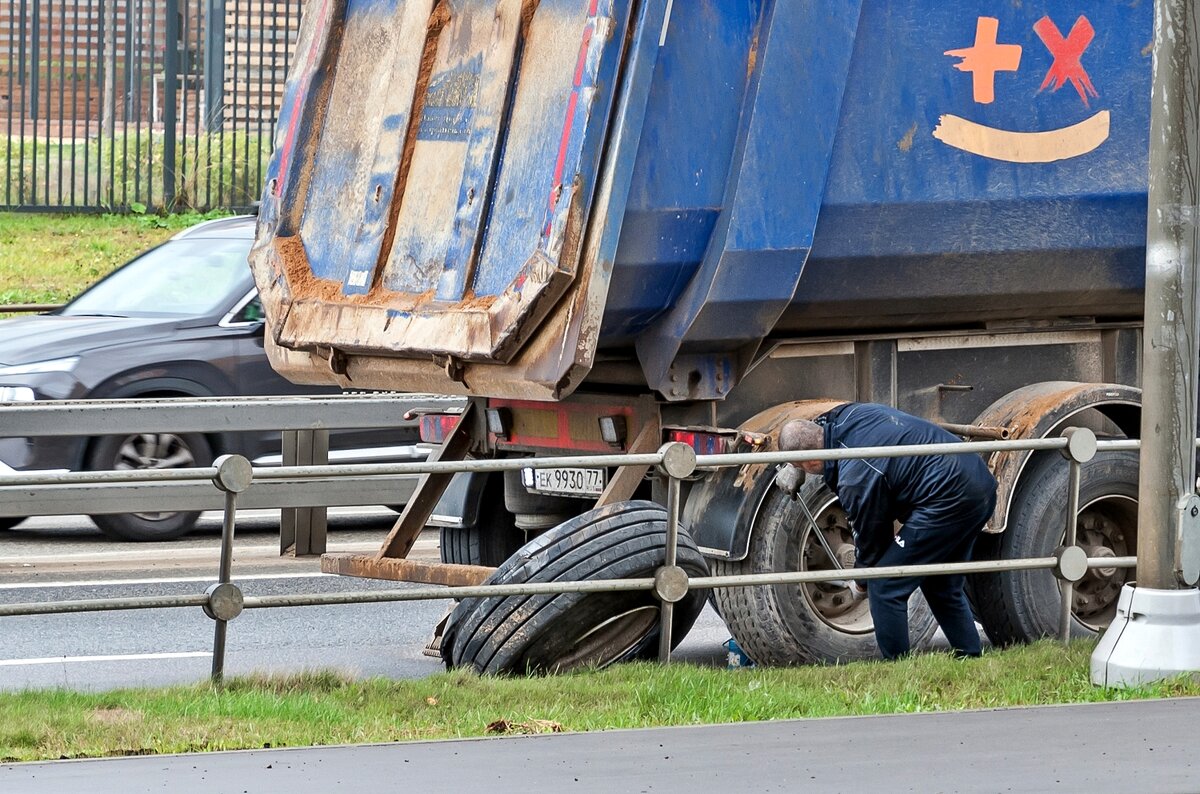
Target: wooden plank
{"x": 429, "y": 489}
{"x": 399, "y": 570}
{"x": 623, "y": 484}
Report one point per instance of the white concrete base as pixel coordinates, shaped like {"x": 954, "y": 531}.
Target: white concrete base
{"x": 1155, "y": 635}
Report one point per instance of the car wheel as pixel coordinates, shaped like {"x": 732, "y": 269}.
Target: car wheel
{"x": 148, "y": 451}
{"x": 10, "y": 522}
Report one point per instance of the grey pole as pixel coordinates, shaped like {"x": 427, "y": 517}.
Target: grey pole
{"x": 1164, "y": 639}
{"x": 1170, "y": 349}
{"x": 225, "y": 600}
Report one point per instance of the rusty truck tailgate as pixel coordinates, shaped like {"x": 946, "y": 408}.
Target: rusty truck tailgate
{"x": 434, "y": 172}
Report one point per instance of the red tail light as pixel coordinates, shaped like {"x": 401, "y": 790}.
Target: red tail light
{"x": 435, "y": 427}
{"x": 703, "y": 443}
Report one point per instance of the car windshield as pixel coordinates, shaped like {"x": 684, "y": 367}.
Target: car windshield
{"x": 184, "y": 278}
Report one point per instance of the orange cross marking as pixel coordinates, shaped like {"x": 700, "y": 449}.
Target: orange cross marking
{"x": 986, "y": 58}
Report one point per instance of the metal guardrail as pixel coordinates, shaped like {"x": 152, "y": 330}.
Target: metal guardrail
{"x": 302, "y": 420}
{"x": 29, "y": 308}
{"x": 233, "y": 475}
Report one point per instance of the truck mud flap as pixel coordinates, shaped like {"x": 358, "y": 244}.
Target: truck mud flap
{"x": 556, "y": 633}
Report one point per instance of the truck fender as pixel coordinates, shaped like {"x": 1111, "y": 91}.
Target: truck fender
{"x": 721, "y": 509}
{"x": 461, "y": 502}
{"x": 1040, "y": 409}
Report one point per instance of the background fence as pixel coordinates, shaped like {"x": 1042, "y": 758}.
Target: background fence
{"x": 120, "y": 104}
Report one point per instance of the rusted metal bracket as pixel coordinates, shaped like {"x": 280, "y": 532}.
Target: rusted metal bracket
{"x": 398, "y": 570}
{"x": 627, "y": 478}
{"x": 430, "y": 488}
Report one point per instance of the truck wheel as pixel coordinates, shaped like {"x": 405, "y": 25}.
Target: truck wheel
{"x": 9, "y": 523}
{"x": 148, "y": 451}
{"x": 494, "y": 538}
{"x": 555, "y": 633}
{"x": 1022, "y": 606}
{"x": 809, "y": 623}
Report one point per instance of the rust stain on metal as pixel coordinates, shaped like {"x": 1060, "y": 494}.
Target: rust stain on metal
{"x": 402, "y": 570}
{"x": 437, "y": 23}
{"x": 766, "y": 425}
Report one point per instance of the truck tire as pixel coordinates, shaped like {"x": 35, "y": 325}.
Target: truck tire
{"x": 9, "y": 523}
{"x": 493, "y": 539}
{"x": 809, "y": 623}
{"x": 555, "y": 633}
{"x": 1022, "y": 606}
{"x": 148, "y": 451}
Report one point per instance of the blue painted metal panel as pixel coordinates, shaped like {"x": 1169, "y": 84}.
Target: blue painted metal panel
{"x": 772, "y": 201}
{"x": 800, "y": 166}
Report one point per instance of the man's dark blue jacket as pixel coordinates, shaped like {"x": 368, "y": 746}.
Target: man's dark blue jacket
{"x": 930, "y": 490}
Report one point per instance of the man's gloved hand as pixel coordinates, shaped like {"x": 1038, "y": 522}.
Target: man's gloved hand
{"x": 789, "y": 478}
{"x": 858, "y": 590}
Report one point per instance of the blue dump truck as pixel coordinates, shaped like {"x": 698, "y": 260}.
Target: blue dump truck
{"x": 614, "y": 223}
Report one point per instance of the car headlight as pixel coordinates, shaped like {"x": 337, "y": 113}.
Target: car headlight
{"x": 40, "y": 367}
{"x": 16, "y": 394}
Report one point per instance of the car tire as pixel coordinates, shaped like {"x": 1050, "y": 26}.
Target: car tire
{"x": 148, "y": 451}
{"x": 1022, "y": 606}
{"x": 803, "y": 623}
{"x": 555, "y": 633}
{"x": 10, "y": 522}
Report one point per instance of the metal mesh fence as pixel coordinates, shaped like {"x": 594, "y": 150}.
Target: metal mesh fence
{"x": 112, "y": 105}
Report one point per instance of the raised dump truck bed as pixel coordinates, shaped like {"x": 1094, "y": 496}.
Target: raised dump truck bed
{"x": 481, "y": 196}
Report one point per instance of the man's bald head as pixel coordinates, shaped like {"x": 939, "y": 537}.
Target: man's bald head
{"x": 800, "y": 434}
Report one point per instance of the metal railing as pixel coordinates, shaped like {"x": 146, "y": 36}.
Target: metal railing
{"x": 676, "y": 462}
{"x": 140, "y": 104}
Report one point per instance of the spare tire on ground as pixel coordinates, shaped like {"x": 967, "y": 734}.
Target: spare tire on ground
{"x": 555, "y": 633}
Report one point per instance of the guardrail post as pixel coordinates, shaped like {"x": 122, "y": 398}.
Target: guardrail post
{"x": 1080, "y": 448}
{"x": 234, "y": 475}
{"x": 671, "y": 581}
{"x": 303, "y": 531}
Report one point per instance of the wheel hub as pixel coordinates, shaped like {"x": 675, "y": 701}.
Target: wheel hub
{"x": 153, "y": 451}
{"x": 1107, "y": 528}
{"x": 833, "y": 602}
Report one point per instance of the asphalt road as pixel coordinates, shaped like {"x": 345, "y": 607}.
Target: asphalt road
{"x": 56, "y": 559}
{"x": 1147, "y": 747}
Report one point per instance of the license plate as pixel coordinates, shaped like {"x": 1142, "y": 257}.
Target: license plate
{"x": 567, "y": 482}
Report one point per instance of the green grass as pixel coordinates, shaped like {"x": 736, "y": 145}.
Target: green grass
{"x": 51, "y": 258}
{"x": 322, "y": 708}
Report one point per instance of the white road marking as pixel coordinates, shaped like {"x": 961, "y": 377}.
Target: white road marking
{"x": 165, "y": 580}
{"x": 190, "y": 555}
{"x": 127, "y": 657}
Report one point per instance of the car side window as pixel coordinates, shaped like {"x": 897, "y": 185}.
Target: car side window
{"x": 252, "y": 312}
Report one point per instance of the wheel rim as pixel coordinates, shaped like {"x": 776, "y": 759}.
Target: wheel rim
{"x": 1107, "y": 527}
{"x": 621, "y": 632}
{"x": 832, "y": 603}
{"x": 154, "y": 451}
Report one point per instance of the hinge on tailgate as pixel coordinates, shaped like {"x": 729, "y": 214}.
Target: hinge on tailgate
{"x": 454, "y": 368}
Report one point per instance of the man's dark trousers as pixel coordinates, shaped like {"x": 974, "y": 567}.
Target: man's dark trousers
{"x": 929, "y": 536}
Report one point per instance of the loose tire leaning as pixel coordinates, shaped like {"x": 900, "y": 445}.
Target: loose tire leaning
{"x": 1022, "y": 606}
{"x": 803, "y": 624}
{"x": 556, "y": 633}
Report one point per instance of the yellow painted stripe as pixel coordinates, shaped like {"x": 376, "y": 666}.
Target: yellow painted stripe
{"x": 1023, "y": 147}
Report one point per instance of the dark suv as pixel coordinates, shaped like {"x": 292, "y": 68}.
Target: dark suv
{"x": 181, "y": 320}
